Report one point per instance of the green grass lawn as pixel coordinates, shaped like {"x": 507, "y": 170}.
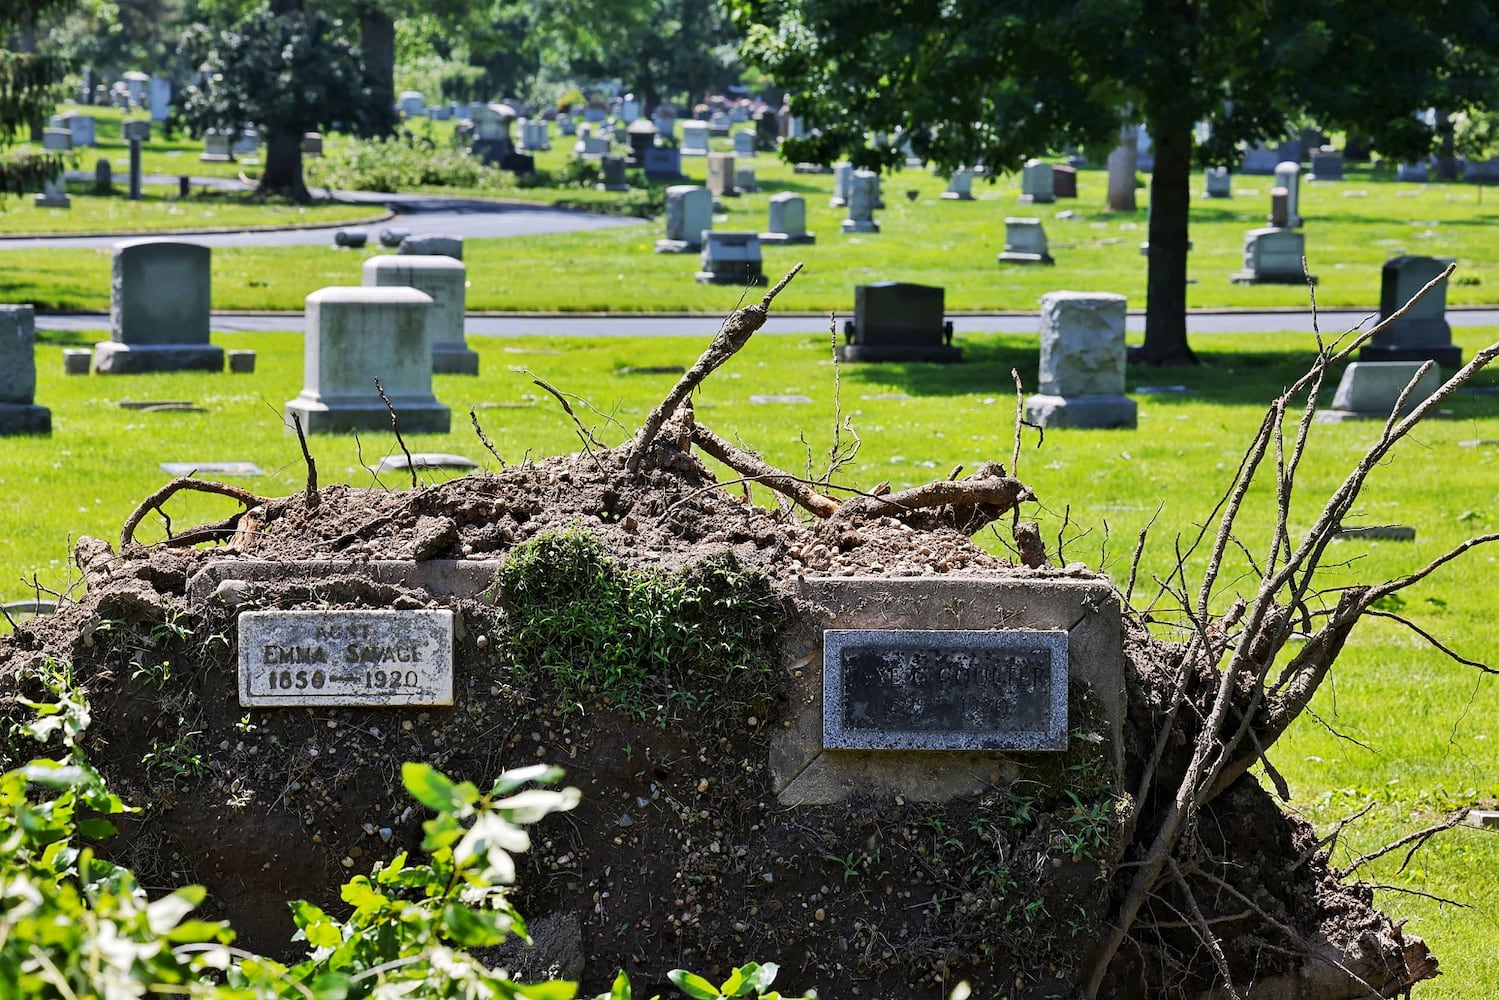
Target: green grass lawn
{"x": 1352, "y": 227}
{"x": 1427, "y": 725}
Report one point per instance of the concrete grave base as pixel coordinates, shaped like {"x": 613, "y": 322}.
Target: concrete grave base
{"x": 1016, "y": 257}
{"x": 1447, "y": 355}
{"x": 736, "y": 274}
{"x": 46, "y": 201}
{"x": 899, "y": 352}
{"x": 804, "y": 772}
{"x": 1271, "y": 278}
{"x": 333, "y": 416}
{"x": 860, "y": 226}
{"x": 677, "y": 246}
{"x": 454, "y": 360}
{"x": 111, "y": 357}
{"x": 24, "y": 418}
{"x": 788, "y": 239}
{"x": 1082, "y": 411}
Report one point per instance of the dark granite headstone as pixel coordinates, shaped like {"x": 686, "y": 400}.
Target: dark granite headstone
{"x": 1423, "y": 333}
{"x": 898, "y": 321}
{"x": 945, "y": 689}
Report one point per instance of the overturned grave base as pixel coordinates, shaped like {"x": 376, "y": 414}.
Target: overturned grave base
{"x": 621, "y": 615}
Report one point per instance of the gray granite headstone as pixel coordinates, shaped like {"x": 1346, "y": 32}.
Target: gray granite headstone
{"x": 19, "y": 413}
{"x": 434, "y": 245}
{"x": 899, "y": 321}
{"x": 788, "y": 220}
{"x": 1025, "y": 243}
{"x": 731, "y": 259}
{"x": 1423, "y": 333}
{"x": 689, "y": 212}
{"x": 1082, "y": 363}
{"x": 863, "y": 197}
{"x": 354, "y": 335}
{"x": 944, "y": 689}
{"x": 375, "y": 658}
{"x": 1036, "y": 182}
{"x": 721, "y": 175}
{"x": 445, "y": 280}
{"x": 1369, "y": 390}
{"x": 159, "y": 310}
{"x": 1272, "y": 255}
{"x": 959, "y": 186}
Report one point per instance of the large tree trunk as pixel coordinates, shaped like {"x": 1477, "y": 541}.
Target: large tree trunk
{"x": 377, "y": 42}
{"x": 1122, "y": 166}
{"x": 282, "y": 176}
{"x": 1166, "y": 286}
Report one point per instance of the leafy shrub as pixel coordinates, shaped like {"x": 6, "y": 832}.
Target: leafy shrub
{"x": 402, "y": 162}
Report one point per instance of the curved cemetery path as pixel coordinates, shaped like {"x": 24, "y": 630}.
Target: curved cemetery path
{"x": 471, "y": 218}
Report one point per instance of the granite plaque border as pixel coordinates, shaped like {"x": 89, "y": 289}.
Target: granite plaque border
{"x": 837, "y": 736}
{"x": 372, "y": 658}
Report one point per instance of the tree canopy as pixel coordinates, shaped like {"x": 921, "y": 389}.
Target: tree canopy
{"x": 30, "y": 84}
{"x": 289, "y": 72}
{"x": 998, "y": 81}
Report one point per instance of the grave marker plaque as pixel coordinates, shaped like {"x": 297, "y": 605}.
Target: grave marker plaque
{"x": 947, "y": 689}
{"x": 374, "y": 658}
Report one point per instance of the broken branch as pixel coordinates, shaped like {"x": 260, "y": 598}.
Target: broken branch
{"x": 161, "y": 496}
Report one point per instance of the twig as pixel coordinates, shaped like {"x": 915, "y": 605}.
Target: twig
{"x": 1424, "y": 895}
{"x": 584, "y": 434}
{"x": 754, "y": 468}
{"x": 395, "y": 426}
{"x": 1205, "y": 933}
{"x": 1417, "y": 840}
{"x": 733, "y": 335}
{"x": 473, "y": 416}
{"x": 155, "y": 500}
{"x": 1019, "y": 421}
{"x": 1331, "y": 839}
{"x": 1433, "y": 640}
{"x": 313, "y": 499}
{"x": 1134, "y": 563}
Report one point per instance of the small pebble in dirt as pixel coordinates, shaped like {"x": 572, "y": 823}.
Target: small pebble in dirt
{"x": 820, "y": 915}
{"x": 386, "y": 833}
{"x": 482, "y": 642}
{"x": 752, "y": 721}
{"x": 702, "y": 786}
{"x": 348, "y": 862}
{"x": 406, "y": 726}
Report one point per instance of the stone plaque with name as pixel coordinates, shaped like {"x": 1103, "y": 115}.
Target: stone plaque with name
{"x": 947, "y": 689}
{"x": 376, "y": 658}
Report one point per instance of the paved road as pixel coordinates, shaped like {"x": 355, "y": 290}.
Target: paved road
{"x": 467, "y": 217}
{"x": 1332, "y": 322}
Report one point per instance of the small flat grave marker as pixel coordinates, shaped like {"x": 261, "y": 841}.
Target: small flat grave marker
{"x": 945, "y": 689}
{"x": 211, "y": 468}
{"x": 1163, "y": 390}
{"x": 651, "y": 370}
{"x": 153, "y": 404}
{"x": 1384, "y": 532}
{"x": 885, "y": 395}
{"x": 785, "y": 399}
{"x": 425, "y": 460}
{"x": 374, "y": 658}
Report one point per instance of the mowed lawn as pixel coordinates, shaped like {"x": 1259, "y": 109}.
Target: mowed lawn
{"x": 1425, "y": 726}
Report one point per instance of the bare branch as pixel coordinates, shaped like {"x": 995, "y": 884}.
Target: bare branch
{"x": 396, "y": 427}
{"x": 155, "y": 500}
{"x": 756, "y": 469}
{"x": 473, "y": 416}
{"x": 313, "y": 499}
{"x": 1417, "y": 840}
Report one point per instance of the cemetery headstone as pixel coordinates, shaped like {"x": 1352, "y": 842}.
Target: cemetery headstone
{"x": 694, "y": 138}
{"x": 216, "y": 147}
{"x": 439, "y": 113}
{"x": 662, "y": 163}
{"x": 842, "y": 173}
{"x": 641, "y": 135}
{"x": 744, "y": 143}
{"x": 746, "y": 181}
{"x": 241, "y": 362}
{"x": 1259, "y": 159}
{"x": 1411, "y": 172}
{"x": 247, "y": 141}
{"x": 19, "y": 413}
{"x": 434, "y": 245}
{"x": 666, "y": 125}
{"x": 1064, "y": 181}
{"x": 411, "y": 103}
{"x": 77, "y": 360}
{"x": 391, "y": 237}
{"x": 719, "y": 124}
{"x": 312, "y": 145}
{"x": 1217, "y": 182}
{"x": 1025, "y": 242}
{"x": 898, "y": 321}
{"x": 354, "y": 335}
{"x": 1327, "y": 165}
{"x": 82, "y": 128}
{"x": 424, "y": 460}
{"x": 103, "y": 177}
{"x": 492, "y": 143}
{"x": 767, "y": 134}
{"x": 1292, "y": 150}
{"x": 350, "y": 239}
{"x": 1036, "y": 182}
{"x": 567, "y": 126}
{"x": 1272, "y": 255}
{"x": 54, "y": 189}
{"x": 1082, "y": 363}
{"x": 788, "y": 220}
{"x": 159, "y": 310}
{"x": 959, "y": 186}
{"x": 1288, "y": 176}
{"x": 863, "y": 194}
{"x": 721, "y": 175}
{"x": 689, "y": 212}
{"x": 629, "y": 108}
{"x": 1369, "y": 390}
{"x": 534, "y": 135}
{"x": 731, "y": 259}
{"x": 612, "y": 174}
{"x": 1423, "y": 333}
{"x": 445, "y": 280}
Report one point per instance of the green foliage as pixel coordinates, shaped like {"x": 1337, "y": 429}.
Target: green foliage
{"x": 403, "y": 162}
{"x": 640, "y": 637}
{"x": 750, "y": 980}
